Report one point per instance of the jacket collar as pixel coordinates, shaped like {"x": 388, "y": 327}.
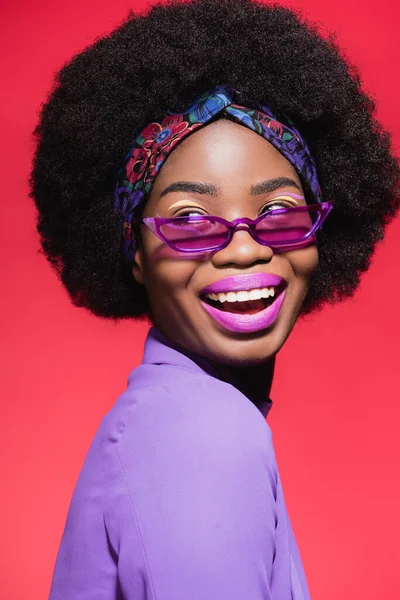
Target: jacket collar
{"x": 159, "y": 350}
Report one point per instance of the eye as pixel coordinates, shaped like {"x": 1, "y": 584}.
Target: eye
{"x": 187, "y": 212}
{"x": 276, "y": 204}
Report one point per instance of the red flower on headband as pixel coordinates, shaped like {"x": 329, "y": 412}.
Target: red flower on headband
{"x": 172, "y": 120}
{"x": 150, "y": 132}
{"x": 137, "y": 164}
{"x": 275, "y": 126}
{"x": 167, "y": 138}
{"x": 157, "y": 135}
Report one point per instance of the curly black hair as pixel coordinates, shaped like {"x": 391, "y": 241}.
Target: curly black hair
{"x": 165, "y": 58}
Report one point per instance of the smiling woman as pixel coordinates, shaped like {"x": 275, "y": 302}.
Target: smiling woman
{"x": 232, "y": 176}
{"x": 254, "y": 189}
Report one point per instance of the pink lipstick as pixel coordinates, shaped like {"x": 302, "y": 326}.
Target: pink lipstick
{"x": 245, "y": 322}
{"x": 238, "y": 283}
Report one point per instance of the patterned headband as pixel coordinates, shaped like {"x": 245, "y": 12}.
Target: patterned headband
{"x": 153, "y": 144}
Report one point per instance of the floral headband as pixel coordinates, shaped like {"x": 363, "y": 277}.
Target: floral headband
{"x": 153, "y": 144}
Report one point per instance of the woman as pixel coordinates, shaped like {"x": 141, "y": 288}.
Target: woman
{"x": 255, "y": 185}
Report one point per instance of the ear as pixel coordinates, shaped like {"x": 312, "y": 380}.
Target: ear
{"x": 137, "y": 265}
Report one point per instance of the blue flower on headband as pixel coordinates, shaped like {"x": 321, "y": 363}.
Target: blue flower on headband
{"x": 241, "y": 116}
{"x": 163, "y": 135}
{"x": 206, "y": 107}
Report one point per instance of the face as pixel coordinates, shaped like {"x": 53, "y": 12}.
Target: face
{"x": 230, "y": 172}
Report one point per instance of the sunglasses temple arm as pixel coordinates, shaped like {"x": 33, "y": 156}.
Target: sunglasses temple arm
{"x": 325, "y": 209}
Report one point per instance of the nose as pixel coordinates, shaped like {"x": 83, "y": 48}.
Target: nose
{"x": 242, "y": 250}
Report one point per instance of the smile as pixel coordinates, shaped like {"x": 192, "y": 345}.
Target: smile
{"x": 236, "y": 304}
{"x": 240, "y": 297}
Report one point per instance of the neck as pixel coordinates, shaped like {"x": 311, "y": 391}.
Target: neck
{"x": 255, "y": 382}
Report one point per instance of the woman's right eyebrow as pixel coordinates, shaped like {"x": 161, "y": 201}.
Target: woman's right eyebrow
{"x": 196, "y": 187}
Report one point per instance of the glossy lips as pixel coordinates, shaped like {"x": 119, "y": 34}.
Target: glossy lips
{"x": 245, "y": 323}
{"x": 238, "y": 283}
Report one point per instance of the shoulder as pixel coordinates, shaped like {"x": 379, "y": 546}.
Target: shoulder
{"x": 181, "y": 413}
{"x": 169, "y": 434}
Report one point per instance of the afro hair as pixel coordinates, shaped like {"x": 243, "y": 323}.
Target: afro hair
{"x": 165, "y": 58}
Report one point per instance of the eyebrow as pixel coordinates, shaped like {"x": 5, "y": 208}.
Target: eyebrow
{"x": 197, "y": 187}
{"x": 270, "y": 185}
{"x": 190, "y": 186}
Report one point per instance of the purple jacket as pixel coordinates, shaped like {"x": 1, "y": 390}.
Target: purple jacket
{"x": 179, "y": 497}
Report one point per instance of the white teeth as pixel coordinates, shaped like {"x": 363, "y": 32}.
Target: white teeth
{"x": 243, "y": 296}
{"x": 266, "y": 292}
{"x": 255, "y": 295}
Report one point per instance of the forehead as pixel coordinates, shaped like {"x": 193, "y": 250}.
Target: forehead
{"x": 225, "y": 154}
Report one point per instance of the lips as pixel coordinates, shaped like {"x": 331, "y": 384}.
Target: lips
{"x": 253, "y": 320}
{"x": 238, "y": 283}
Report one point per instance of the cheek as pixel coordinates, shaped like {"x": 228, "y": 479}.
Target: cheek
{"x": 303, "y": 263}
{"x": 165, "y": 271}
{"x": 167, "y": 274}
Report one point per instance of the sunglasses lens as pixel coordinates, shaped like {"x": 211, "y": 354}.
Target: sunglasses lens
{"x": 286, "y": 227}
{"x": 191, "y": 235}
{"x": 278, "y": 228}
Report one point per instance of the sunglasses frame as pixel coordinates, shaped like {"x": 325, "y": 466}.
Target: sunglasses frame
{"x": 154, "y": 223}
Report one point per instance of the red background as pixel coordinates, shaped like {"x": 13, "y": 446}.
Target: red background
{"x": 336, "y": 412}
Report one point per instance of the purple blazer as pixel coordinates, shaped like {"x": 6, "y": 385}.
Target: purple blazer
{"x": 179, "y": 497}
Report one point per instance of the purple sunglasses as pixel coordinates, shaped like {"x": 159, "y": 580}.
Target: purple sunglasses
{"x": 277, "y": 228}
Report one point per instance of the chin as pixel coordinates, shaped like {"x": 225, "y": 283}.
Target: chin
{"x": 241, "y": 351}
